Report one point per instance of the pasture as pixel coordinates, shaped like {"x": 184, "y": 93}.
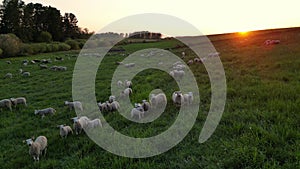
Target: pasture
{"x": 260, "y": 127}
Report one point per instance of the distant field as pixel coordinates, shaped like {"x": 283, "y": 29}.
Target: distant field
{"x": 260, "y": 127}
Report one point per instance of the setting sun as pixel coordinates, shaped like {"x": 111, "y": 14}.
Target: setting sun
{"x": 244, "y": 33}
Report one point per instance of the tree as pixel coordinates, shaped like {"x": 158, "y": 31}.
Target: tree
{"x": 70, "y": 27}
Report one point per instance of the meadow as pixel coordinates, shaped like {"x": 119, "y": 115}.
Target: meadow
{"x": 260, "y": 127}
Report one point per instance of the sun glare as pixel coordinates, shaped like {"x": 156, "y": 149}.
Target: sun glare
{"x": 244, "y": 33}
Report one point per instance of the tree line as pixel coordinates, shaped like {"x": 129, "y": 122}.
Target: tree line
{"x": 30, "y": 22}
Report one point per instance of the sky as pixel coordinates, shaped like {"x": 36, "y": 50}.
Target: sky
{"x": 208, "y": 16}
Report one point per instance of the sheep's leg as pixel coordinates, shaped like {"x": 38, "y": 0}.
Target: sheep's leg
{"x": 45, "y": 151}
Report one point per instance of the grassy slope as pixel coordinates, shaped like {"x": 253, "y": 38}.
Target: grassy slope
{"x": 259, "y": 128}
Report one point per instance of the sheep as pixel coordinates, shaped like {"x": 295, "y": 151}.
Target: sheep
{"x": 102, "y": 106}
{"x": 8, "y": 62}
{"x": 128, "y": 84}
{"x": 46, "y": 61}
{"x": 190, "y": 62}
{"x": 20, "y": 71}
{"x": 146, "y": 105}
{"x": 37, "y": 147}
{"x": 19, "y": 100}
{"x": 177, "y": 74}
{"x": 125, "y": 93}
{"x": 36, "y": 60}
{"x": 129, "y": 65}
{"x": 25, "y": 61}
{"x": 94, "y": 123}
{"x": 114, "y": 106}
{"x": 119, "y": 63}
{"x": 5, "y": 103}
{"x": 182, "y": 55}
{"x": 74, "y": 105}
{"x": 64, "y": 130}
{"x": 120, "y": 83}
{"x": 32, "y": 61}
{"x": 80, "y": 123}
{"x": 188, "y": 98}
{"x": 26, "y": 74}
{"x": 61, "y": 68}
{"x": 8, "y": 75}
{"x": 213, "y": 54}
{"x": 197, "y": 60}
{"x": 54, "y": 68}
{"x": 44, "y": 112}
{"x": 111, "y": 99}
{"x": 179, "y": 67}
{"x": 42, "y": 66}
{"x": 177, "y": 98}
{"x": 157, "y": 100}
{"x": 59, "y": 59}
{"x": 137, "y": 111}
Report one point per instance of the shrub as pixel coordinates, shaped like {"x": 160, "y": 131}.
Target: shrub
{"x": 45, "y": 37}
{"x": 74, "y": 44}
{"x": 1, "y": 51}
{"x": 63, "y": 47}
{"x": 10, "y": 44}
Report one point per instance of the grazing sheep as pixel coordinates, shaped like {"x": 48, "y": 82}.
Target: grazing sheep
{"x": 20, "y": 71}
{"x": 19, "y": 100}
{"x": 94, "y": 123}
{"x": 129, "y": 65}
{"x": 45, "y": 61}
{"x": 188, "y": 98}
{"x": 64, "y": 130}
{"x": 8, "y": 75}
{"x": 177, "y": 74}
{"x": 119, "y": 63}
{"x": 197, "y": 60}
{"x": 61, "y": 68}
{"x": 59, "y": 59}
{"x": 42, "y": 66}
{"x": 44, "y": 112}
{"x": 8, "y": 62}
{"x": 54, "y": 68}
{"x": 36, "y": 60}
{"x": 190, "y": 62}
{"x": 26, "y": 74}
{"x": 120, "y": 83}
{"x": 146, "y": 105}
{"x": 32, "y": 62}
{"x": 177, "y": 98}
{"x": 114, "y": 106}
{"x": 125, "y": 93}
{"x": 80, "y": 123}
{"x": 182, "y": 55}
{"x": 37, "y": 147}
{"x": 74, "y": 105}
{"x": 157, "y": 100}
{"x": 102, "y": 106}
{"x": 128, "y": 84}
{"x": 111, "y": 99}
{"x": 137, "y": 111}
{"x": 5, "y": 103}
{"x": 179, "y": 67}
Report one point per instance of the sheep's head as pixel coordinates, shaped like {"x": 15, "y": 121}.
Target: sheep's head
{"x": 36, "y": 112}
{"x": 74, "y": 119}
{"x": 66, "y": 102}
{"x": 29, "y": 141}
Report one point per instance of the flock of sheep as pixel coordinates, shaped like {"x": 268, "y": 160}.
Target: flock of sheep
{"x": 42, "y": 65}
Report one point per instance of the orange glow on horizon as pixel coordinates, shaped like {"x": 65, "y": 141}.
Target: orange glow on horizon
{"x": 244, "y": 33}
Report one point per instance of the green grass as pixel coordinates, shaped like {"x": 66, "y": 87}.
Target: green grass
{"x": 260, "y": 127}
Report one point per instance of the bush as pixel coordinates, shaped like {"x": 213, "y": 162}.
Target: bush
{"x": 1, "y": 51}
{"x": 45, "y": 37}
{"x": 63, "y": 47}
{"x": 10, "y": 44}
{"x": 74, "y": 44}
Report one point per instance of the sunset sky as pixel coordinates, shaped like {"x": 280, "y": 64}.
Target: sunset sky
{"x": 209, "y": 16}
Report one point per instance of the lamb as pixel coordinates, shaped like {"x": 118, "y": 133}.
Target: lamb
{"x": 8, "y": 75}
{"x": 120, "y": 83}
{"x": 188, "y": 98}
{"x": 19, "y": 100}
{"x": 102, "y": 106}
{"x": 126, "y": 92}
{"x": 74, "y": 105}
{"x": 190, "y": 62}
{"x": 64, "y": 130}
{"x": 44, "y": 112}
{"x": 157, "y": 100}
{"x": 137, "y": 111}
{"x": 128, "y": 84}
{"x": 177, "y": 98}
{"x": 177, "y": 74}
{"x": 42, "y": 66}
{"x": 114, "y": 106}
{"x": 80, "y": 123}
{"x": 37, "y": 147}
{"x": 5, "y": 103}
{"x": 111, "y": 99}
{"x": 94, "y": 123}
{"x": 146, "y": 105}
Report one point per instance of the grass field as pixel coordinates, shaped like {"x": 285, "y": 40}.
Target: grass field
{"x": 260, "y": 127}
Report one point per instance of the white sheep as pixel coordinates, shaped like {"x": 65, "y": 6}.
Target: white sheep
{"x": 64, "y": 130}
{"x": 197, "y": 60}
{"x": 158, "y": 100}
{"x": 61, "y": 68}
{"x": 26, "y": 74}
{"x": 128, "y": 84}
{"x": 37, "y": 147}
{"x": 177, "y": 98}
{"x": 179, "y": 67}
{"x": 125, "y": 93}
{"x": 42, "y": 66}
{"x": 94, "y": 123}
{"x": 74, "y": 105}
{"x": 80, "y": 123}
{"x": 137, "y": 111}
{"x": 177, "y": 74}
{"x": 146, "y": 105}
{"x": 5, "y": 103}
{"x": 19, "y": 100}
{"x": 188, "y": 98}
{"x": 8, "y": 75}
{"x": 102, "y": 106}
{"x": 129, "y": 65}
{"x": 190, "y": 62}
{"x": 44, "y": 112}
{"x": 120, "y": 83}
{"x": 111, "y": 99}
{"x": 8, "y": 62}
{"x": 114, "y": 106}
{"x": 182, "y": 55}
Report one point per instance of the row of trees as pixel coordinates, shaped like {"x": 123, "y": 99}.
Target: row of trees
{"x": 29, "y": 21}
